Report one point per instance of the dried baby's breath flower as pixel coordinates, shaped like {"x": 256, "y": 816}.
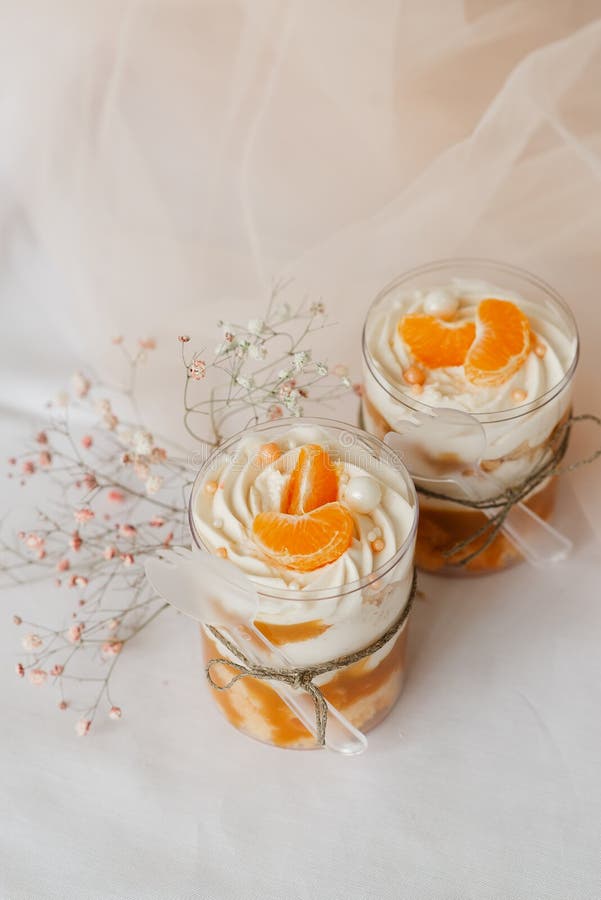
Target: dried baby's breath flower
{"x": 260, "y": 371}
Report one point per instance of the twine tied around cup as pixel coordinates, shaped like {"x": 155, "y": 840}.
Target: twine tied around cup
{"x": 301, "y": 677}
{"x": 506, "y": 499}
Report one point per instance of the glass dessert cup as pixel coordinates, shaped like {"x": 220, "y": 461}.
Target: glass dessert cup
{"x": 519, "y": 438}
{"x": 310, "y": 624}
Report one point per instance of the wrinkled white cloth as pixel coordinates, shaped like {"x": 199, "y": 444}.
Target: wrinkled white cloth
{"x": 161, "y": 164}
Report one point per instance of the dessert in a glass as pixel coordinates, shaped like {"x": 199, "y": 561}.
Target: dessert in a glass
{"x": 321, "y": 517}
{"x": 498, "y": 345}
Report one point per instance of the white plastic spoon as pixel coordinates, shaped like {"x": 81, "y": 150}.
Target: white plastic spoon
{"x": 465, "y": 438}
{"x": 193, "y": 582}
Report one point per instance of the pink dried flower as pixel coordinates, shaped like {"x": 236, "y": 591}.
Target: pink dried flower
{"x": 84, "y": 515}
{"x": 115, "y": 712}
{"x": 113, "y": 624}
{"x": 125, "y": 459}
{"x": 118, "y": 339}
{"x": 158, "y": 455}
{"x": 109, "y": 552}
{"x": 168, "y": 539}
{"x": 45, "y": 459}
{"x": 112, "y": 648}
{"x": 142, "y": 470}
{"x": 12, "y": 460}
{"x": 20, "y": 670}
{"x": 37, "y": 676}
{"x": 76, "y": 541}
{"x": 74, "y": 633}
{"x": 147, "y": 343}
{"x": 42, "y": 437}
{"x": 340, "y": 370}
{"x": 81, "y": 384}
{"x": 63, "y": 704}
{"x": 116, "y": 496}
{"x": 32, "y": 642}
{"x": 89, "y": 480}
{"x": 41, "y": 553}
{"x": 82, "y": 727}
{"x": 86, "y": 441}
{"x": 28, "y": 467}
{"x": 57, "y": 670}
{"x": 128, "y": 531}
{"x": 111, "y": 421}
{"x": 79, "y": 581}
{"x": 17, "y": 620}
{"x": 156, "y": 522}
{"x": 358, "y": 389}
{"x": 198, "y": 369}
{"x": 63, "y": 565}
{"x": 128, "y": 559}
{"x": 184, "y": 338}
{"x": 34, "y": 541}
{"x": 228, "y": 337}
{"x": 275, "y": 412}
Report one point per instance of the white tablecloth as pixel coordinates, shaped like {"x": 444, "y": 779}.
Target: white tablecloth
{"x": 161, "y": 163}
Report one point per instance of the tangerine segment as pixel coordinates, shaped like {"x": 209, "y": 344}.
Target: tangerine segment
{"x": 313, "y": 482}
{"x": 435, "y": 343}
{"x": 305, "y": 542}
{"x": 502, "y": 343}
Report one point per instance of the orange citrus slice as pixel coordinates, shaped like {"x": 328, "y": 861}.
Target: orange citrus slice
{"x": 502, "y": 343}
{"x": 304, "y": 542}
{"x": 435, "y": 343}
{"x": 313, "y": 481}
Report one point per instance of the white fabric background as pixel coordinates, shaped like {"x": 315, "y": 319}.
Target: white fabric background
{"x": 163, "y": 162}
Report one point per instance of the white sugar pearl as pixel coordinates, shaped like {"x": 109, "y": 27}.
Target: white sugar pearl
{"x": 362, "y": 493}
{"x": 441, "y": 303}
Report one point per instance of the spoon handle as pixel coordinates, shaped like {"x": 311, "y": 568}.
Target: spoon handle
{"x": 341, "y": 736}
{"x": 539, "y": 542}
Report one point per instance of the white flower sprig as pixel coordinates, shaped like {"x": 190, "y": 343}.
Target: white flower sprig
{"x": 261, "y": 371}
{"x": 117, "y": 495}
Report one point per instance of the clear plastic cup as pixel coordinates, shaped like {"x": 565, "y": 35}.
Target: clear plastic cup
{"x": 518, "y": 439}
{"x": 314, "y": 625}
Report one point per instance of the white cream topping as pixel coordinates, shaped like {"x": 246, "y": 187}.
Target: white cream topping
{"x": 515, "y": 443}
{"x": 223, "y": 518}
{"x": 448, "y": 386}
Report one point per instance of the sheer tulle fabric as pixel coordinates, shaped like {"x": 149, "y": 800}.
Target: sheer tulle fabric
{"x": 162, "y": 162}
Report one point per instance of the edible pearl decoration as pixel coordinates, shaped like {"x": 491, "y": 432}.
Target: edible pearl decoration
{"x": 441, "y": 303}
{"x": 362, "y": 494}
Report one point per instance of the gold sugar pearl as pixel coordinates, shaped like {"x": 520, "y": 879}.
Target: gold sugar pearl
{"x": 378, "y": 545}
{"x": 518, "y": 395}
{"x": 211, "y": 487}
{"x": 414, "y": 375}
{"x": 222, "y": 552}
{"x": 268, "y": 453}
{"x": 540, "y": 350}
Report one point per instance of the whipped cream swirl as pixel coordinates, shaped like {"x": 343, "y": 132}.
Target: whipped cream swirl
{"x": 448, "y": 386}
{"x": 223, "y": 517}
